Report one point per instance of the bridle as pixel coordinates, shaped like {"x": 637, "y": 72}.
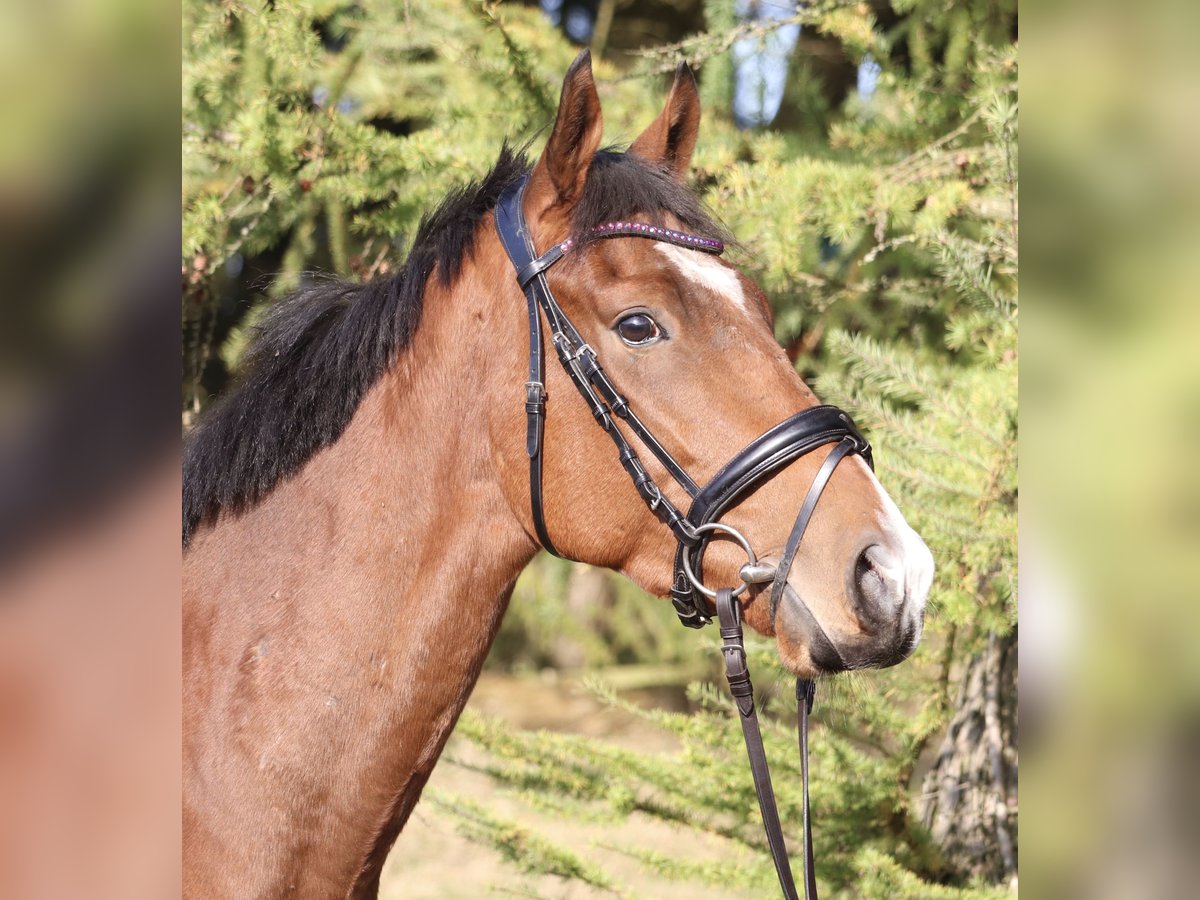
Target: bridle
{"x": 757, "y": 462}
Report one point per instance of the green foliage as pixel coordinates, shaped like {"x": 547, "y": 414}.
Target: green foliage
{"x": 705, "y": 789}
{"x": 530, "y": 852}
{"x": 945, "y": 415}
{"x": 879, "y": 875}
{"x": 329, "y": 157}
{"x": 885, "y": 237}
{"x": 618, "y": 625}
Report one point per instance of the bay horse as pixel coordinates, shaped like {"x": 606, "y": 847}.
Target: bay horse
{"x": 357, "y": 510}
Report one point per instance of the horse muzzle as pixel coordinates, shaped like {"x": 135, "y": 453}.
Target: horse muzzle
{"x": 882, "y": 618}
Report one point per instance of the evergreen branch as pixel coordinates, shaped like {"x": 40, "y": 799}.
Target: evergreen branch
{"x": 898, "y": 377}
{"x": 531, "y": 852}
{"x": 700, "y": 48}
{"x": 935, "y": 483}
{"x": 521, "y": 62}
{"x": 901, "y": 169}
{"x": 964, "y": 264}
{"x": 758, "y": 877}
{"x": 916, "y": 434}
{"x": 697, "y": 49}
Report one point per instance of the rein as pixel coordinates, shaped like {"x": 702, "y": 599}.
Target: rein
{"x": 757, "y": 462}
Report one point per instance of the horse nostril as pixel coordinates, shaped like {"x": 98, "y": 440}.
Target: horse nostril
{"x": 890, "y": 619}
{"x": 878, "y": 579}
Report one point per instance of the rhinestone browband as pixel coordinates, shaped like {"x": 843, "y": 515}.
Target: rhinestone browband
{"x": 657, "y": 232}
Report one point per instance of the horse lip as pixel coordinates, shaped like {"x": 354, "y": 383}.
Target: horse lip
{"x": 821, "y": 649}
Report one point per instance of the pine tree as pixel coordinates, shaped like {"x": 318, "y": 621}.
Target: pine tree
{"x": 316, "y": 133}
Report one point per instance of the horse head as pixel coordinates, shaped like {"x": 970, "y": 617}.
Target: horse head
{"x": 688, "y": 340}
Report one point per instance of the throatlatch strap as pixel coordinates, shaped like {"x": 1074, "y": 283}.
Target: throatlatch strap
{"x": 518, "y": 244}
{"x": 734, "y": 651}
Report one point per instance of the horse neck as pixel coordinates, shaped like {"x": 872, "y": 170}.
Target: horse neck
{"x": 334, "y": 632}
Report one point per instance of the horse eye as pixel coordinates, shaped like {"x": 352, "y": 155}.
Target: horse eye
{"x": 638, "y": 329}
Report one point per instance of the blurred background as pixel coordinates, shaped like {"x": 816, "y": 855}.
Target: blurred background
{"x": 868, "y": 153}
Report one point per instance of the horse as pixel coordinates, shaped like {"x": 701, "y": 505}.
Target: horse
{"x": 357, "y": 510}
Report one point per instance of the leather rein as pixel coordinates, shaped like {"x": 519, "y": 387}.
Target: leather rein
{"x": 757, "y": 462}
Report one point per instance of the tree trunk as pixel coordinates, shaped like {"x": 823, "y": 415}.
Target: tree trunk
{"x": 969, "y": 797}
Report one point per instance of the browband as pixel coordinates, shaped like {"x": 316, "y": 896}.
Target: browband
{"x": 535, "y": 267}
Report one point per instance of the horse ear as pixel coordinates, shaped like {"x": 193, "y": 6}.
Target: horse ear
{"x": 671, "y": 138}
{"x": 558, "y": 177}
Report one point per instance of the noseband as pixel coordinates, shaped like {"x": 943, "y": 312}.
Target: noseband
{"x": 756, "y": 463}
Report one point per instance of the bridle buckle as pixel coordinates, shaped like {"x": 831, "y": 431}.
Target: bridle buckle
{"x": 535, "y": 397}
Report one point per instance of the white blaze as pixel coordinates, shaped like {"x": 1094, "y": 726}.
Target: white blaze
{"x": 914, "y": 569}
{"x": 705, "y": 270}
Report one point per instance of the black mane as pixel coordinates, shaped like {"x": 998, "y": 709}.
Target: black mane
{"x": 318, "y": 351}
{"x": 620, "y": 185}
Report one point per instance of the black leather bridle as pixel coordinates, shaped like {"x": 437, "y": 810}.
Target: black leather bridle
{"x": 758, "y": 461}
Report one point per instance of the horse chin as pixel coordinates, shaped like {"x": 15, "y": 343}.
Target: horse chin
{"x": 807, "y": 649}
{"x": 804, "y": 647}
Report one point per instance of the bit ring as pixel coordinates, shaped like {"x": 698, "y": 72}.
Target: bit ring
{"x": 737, "y": 536}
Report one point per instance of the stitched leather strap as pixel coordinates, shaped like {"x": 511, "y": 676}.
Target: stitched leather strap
{"x": 761, "y": 459}
{"x": 806, "y": 692}
{"x": 780, "y": 446}
{"x": 519, "y": 245}
{"x": 738, "y": 675}
{"x": 784, "y": 567}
